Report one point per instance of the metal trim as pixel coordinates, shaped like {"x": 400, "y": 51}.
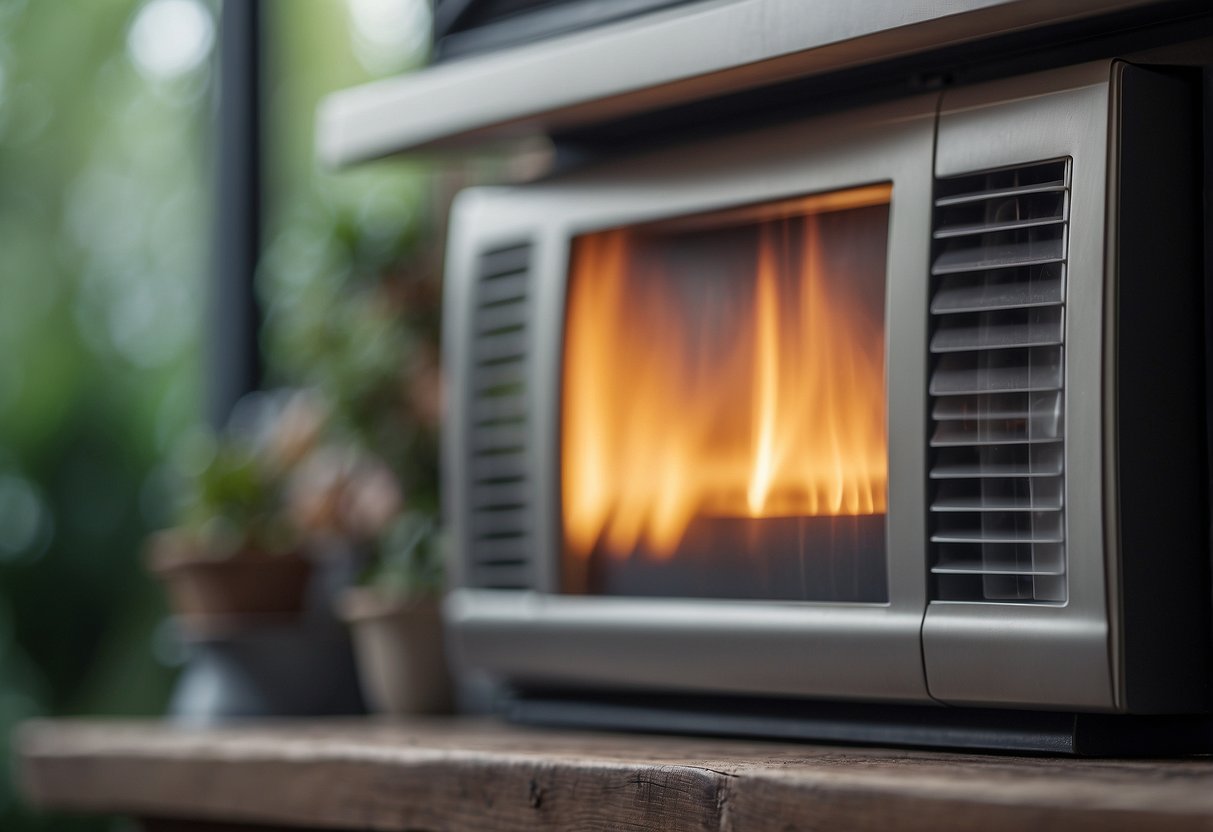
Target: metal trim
{"x": 676, "y": 56}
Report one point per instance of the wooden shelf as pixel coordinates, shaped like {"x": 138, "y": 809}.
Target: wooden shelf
{"x": 470, "y": 774}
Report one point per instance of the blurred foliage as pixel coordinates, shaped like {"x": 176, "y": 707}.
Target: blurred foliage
{"x": 233, "y": 506}
{"x": 410, "y": 557}
{"x": 103, "y": 229}
{"x": 280, "y": 479}
{"x": 351, "y": 277}
{"x": 237, "y": 490}
{"x": 105, "y": 207}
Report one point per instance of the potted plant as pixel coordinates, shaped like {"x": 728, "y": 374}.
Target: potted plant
{"x": 234, "y": 559}
{"x": 341, "y": 497}
{"x": 361, "y": 324}
{"x": 396, "y": 621}
{"x": 250, "y": 585}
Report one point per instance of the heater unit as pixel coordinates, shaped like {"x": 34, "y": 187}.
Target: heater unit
{"x": 897, "y": 410}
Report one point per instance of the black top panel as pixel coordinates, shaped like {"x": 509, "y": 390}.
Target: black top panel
{"x": 472, "y": 27}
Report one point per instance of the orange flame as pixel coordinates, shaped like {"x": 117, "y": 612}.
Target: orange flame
{"x": 670, "y": 414}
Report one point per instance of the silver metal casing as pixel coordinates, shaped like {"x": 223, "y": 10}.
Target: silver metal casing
{"x": 908, "y": 649}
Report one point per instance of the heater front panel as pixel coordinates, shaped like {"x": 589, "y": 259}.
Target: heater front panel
{"x": 1019, "y": 611}
{"x": 828, "y": 561}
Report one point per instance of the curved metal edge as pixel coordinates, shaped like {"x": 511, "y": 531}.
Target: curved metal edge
{"x": 684, "y": 54}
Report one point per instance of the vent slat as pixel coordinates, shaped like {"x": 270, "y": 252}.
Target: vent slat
{"x": 983, "y": 536}
{"x": 986, "y": 258}
{"x": 502, "y": 290}
{"x": 494, "y": 409}
{"x": 491, "y": 524}
{"x": 998, "y": 406}
{"x": 1009, "y": 494}
{"x": 498, "y": 438}
{"x": 953, "y": 434}
{"x": 978, "y": 504}
{"x": 997, "y": 385}
{"x": 1042, "y": 495}
{"x": 966, "y": 374}
{"x": 508, "y": 550}
{"x": 1000, "y": 193}
{"x": 502, "y": 262}
{"x": 495, "y": 348}
{"x": 1002, "y": 558}
{"x": 976, "y": 229}
{"x": 499, "y": 467}
{"x": 1039, "y": 327}
{"x": 502, "y": 317}
{"x": 492, "y": 377}
{"x": 498, "y": 497}
{"x": 1042, "y": 286}
{"x": 973, "y": 567}
{"x": 975, "y": 471}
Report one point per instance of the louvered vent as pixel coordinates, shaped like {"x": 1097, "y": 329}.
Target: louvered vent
{"x": 997, "y": 385}
{"x": 499, "y": 533}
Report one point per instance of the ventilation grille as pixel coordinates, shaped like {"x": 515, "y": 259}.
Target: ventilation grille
{"x": 498, "y": 500}
{"x": 997, "y": 386}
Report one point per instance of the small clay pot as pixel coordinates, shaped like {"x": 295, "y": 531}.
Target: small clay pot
{"x": 210, "y": 594}
{"x": 398, "y": 644}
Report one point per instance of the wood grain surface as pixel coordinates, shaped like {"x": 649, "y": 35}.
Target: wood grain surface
{"x": 467, "y": 774}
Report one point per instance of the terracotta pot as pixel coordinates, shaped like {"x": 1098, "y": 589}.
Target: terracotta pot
{"x": 398, "y": 644}
{"x": 209, "y": 594}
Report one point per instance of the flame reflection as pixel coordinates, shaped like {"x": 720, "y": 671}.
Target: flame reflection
{"x": 765, "y": 400}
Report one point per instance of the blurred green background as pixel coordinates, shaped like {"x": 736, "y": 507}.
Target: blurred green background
{"x": 106, "y": 170}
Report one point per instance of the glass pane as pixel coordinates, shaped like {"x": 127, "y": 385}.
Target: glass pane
{"x": 723, "y": 410}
